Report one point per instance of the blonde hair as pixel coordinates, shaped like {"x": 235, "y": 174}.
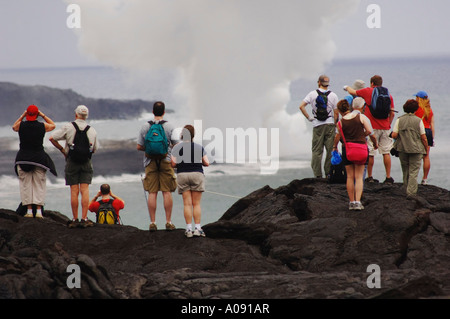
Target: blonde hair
{"x": 425, "y": 105}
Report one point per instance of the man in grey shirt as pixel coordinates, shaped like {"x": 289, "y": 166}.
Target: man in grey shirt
{"x": 78, "y": 175}
{"x": 159, "y": 174}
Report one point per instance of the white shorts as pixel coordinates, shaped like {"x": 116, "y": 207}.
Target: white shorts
{"x": 384, "y": 142}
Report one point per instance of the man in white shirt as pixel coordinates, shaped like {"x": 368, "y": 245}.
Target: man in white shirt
{"x": 324, "y": 129}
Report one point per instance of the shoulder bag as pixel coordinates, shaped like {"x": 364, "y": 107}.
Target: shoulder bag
{"x": 355, "y": 152}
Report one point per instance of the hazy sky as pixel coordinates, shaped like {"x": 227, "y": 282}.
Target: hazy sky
{"x": 33, "y": 33}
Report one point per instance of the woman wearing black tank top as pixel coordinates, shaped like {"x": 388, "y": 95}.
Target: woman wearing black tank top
{"x": 32, "y": 162}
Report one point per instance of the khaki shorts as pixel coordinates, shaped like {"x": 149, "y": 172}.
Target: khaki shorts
{"x": 192, "y": 181}
{"x": 162, "y": 179}
{"x": 384, "y": 142}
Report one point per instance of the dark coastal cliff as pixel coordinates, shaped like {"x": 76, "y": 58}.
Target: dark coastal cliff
{"x": 297, "y": 241}
{"x": 59, "y": 104}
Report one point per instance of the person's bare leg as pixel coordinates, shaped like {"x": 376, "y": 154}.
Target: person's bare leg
{"x": 74, "y": 191}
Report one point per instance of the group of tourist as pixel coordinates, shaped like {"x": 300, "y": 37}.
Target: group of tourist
{"x": 349, "y": 121}
{"x": 32, "y": 163}
{"x": 411, "y": 137}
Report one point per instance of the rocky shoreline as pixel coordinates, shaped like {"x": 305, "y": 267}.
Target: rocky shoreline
{"x": 60, "y": 104}
{"x": 113, "y": 158}
{"x": 298, "y": 241}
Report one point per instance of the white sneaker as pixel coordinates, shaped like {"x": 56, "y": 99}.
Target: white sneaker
{"x": 29, "y": 215}
{"x": 39, "y": 215}
{"x": 188, "y": 233}
{"x": 199, "y": 233}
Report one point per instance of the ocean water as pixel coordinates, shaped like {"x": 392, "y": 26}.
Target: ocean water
{"x": 226, "y": 183}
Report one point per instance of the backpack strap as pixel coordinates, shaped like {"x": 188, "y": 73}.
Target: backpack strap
{"x": 110, "y": 201}
{"x": 78, "y": 129}
{"x": 160, "y": 122}
{"x": 341, "y": 131}
{"x": 76, "y": 126}
{"x": 323, "y": 93}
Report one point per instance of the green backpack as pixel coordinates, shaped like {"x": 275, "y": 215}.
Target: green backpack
{"x": 156, "y": 144}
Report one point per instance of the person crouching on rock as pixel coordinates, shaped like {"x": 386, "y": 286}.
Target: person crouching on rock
{"x": 32, "y": 162}
{"x": 108, "y": 207}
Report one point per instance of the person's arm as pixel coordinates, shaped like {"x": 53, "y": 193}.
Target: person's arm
{"x": 337, "y": 138}
{"x": 205, "y": 160}
{"x": 173, "y": 161}
{"x": 116, "y": 197}
{"x": 374, "y": 141}
{"x": 57, "y": 145}
{"x": 49, "y": 124}
{"x": 432, "y": 127}
{"x": 336, "y": 116}
{"x": 423, "y": 137}
{"x": 392, "y": 113}
{"x": 140, "y": 145}
{"x": 16, "y": 124}
{"x": 94, "y": 205}
{"x": 368, "y": 131}
{"x": 367, "y": 126}
{"x": 350, "y": 90}
{"x": 305, "y": 113}
{"x": 95, "y": 198}
{"x": 395, "y": 130}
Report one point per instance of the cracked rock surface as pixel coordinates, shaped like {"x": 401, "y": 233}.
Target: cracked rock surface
{"x": 296, "y": 241}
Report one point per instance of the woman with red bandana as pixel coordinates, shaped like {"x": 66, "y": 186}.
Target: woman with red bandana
{"x": 32, "y": 162}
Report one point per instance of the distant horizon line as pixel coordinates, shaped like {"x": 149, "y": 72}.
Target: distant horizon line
{"x": 340, "y": 59}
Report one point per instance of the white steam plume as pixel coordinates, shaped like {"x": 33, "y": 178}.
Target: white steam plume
{"x": 236, "y": 58}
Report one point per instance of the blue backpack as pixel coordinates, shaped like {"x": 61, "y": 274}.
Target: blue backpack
{"x": 156, "y": 144}
{"x": 381, "y": 103}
